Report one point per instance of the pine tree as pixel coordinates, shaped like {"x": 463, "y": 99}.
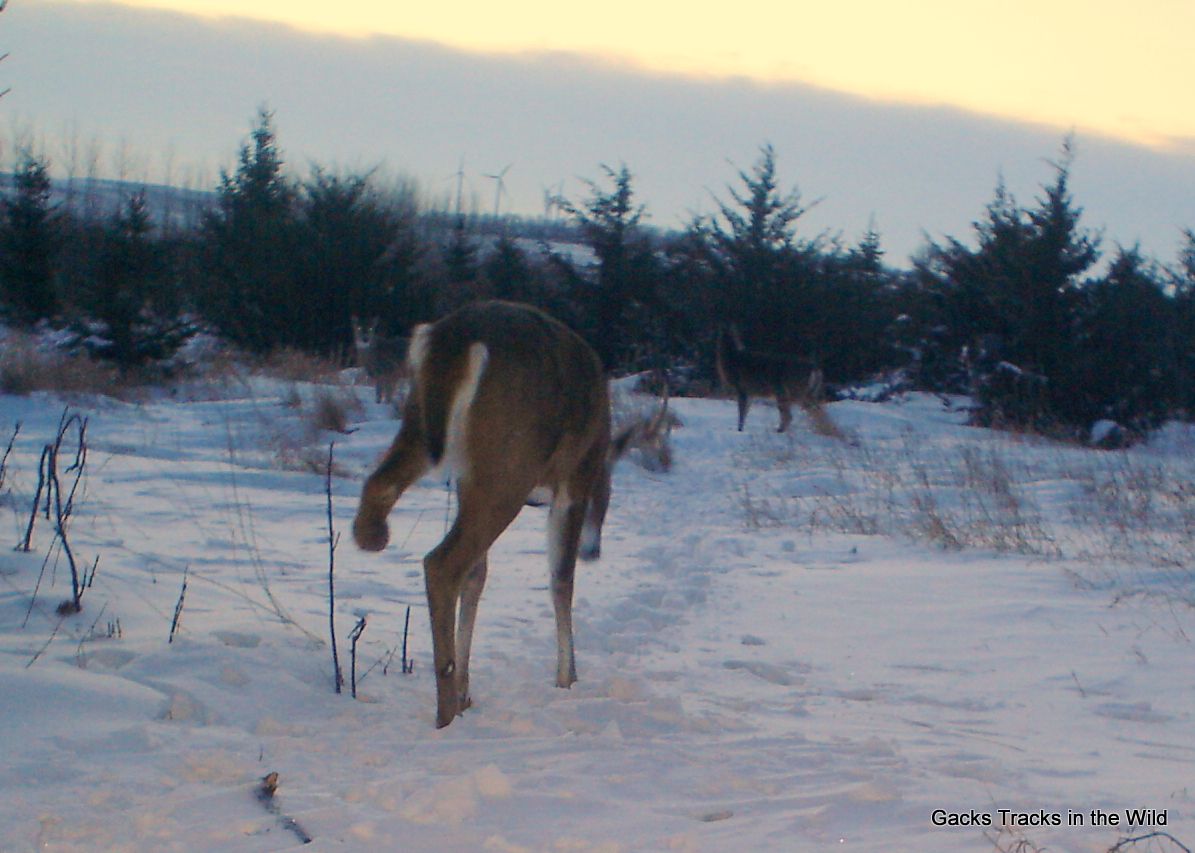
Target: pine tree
{"x": 129, "y": 290}
{"x": 1182, "y": 283}
{"x": 621, "y": 304}
{"x": 510, "y": 275}
{"x": 460, "y": 256}
{"x": 30, "y": 242}
{"x": 763, "y": 273}
{"x": 1121, "y": 368}
{"x": 251, "y": 242}
{"x": 1021, "y": 289}
{"x": 351, "y": 260}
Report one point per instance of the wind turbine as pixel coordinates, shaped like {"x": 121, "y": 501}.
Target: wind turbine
{"x": 499, "y": 186}
{"x": 460, "y": 183}
{"x": 552, "y": 200}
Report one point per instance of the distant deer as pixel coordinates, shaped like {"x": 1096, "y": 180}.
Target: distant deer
{"x": 762, "y": 374}
{"x": 507, "y": 399}
{"x": 383, "y": 358}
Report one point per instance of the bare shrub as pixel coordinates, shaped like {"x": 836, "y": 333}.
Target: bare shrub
{"x": 333, "y": 409}
{"x": 1125, "y": 519}
{"x": 1134, "y": 522}
{"x": 26, "y": 367}
{"x": 955, "y": 496}
{"x": 295, "y": 365}
{"x": 298, "y": 440}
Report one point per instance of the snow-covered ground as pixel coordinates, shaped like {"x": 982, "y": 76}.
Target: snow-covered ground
{"x": 790, "y": 643}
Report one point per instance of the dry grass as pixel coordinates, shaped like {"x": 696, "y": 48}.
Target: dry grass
{"x": 957, "y": 496}
{"x": 1125, "y": 520}
{"x": 26, "y": 367}
{"x": 295, "y": 365}
{"x": 299, "y": 441}
{"x": 334, "y": 409}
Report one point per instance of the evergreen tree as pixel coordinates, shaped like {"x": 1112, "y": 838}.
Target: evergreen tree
{"x": 621, "y": 304}
{"x": 251, "y": 241}
{"x": 1021, "y": 288}
{"x": 460, "y": 256}
{"x": 762, "y": 273}
{"x": 509, "y": 274}
{"x": 30, "y": 242}
{"x": 1121, "y": 367}
{"x": 850, "y": 311}
{"x": 130, "y": 292}
{"x": 1182, "y": 284}
{"x": 353, "y": 260}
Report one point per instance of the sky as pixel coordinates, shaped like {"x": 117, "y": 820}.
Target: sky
{"x": 901, "y": 116}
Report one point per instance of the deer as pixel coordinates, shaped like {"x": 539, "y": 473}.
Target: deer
{"x": 507, "y": 400}
{"x": 761, "y": 374}
{"x": 382, "y": 357}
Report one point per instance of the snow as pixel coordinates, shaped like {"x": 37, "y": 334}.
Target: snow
{"x": 791, "y": 642}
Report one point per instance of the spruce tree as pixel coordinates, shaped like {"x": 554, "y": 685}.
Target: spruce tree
{"x": 621, "y": 304}
{"x": 251, "y": 243}
{"x": 1016, "y": 298}
{"x": 763, "y": 273}
{"x": 30, "y": 242}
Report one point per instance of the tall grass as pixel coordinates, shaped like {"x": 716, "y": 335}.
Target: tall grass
{"x": 1125, "y": 519}
{"x": 26, "y": 367}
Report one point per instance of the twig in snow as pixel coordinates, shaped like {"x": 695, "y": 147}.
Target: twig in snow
{"x": 333, "y": 540}
{"x": 178, "y": 607}
{"x": 408, "y": 665}
{"x": 45, "y": 646}
{"x": 80, "y": 658}
{"x": 265, "y": 795}
{"x": 49, "y": 484}
{"x": 1120, "y": 845}
{"x": 16, "y": 430}
{"x": 41, "y": 485}
{"x": 354, "y": 636}
{"x": 243, "y": 522}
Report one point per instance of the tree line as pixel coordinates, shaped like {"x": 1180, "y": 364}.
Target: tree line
{"x": 1025, "y": 316}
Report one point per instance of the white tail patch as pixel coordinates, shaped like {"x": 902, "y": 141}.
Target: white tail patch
{"x": 455, "y": 461}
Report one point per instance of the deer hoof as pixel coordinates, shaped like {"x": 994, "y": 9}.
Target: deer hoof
{"x": 370, "y": 535}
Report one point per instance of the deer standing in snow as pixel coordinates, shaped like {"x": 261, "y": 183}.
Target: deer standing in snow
{"x": 382, "y": 358}
{"x": 507, "y": 399}
{"x": 761, "y": 374}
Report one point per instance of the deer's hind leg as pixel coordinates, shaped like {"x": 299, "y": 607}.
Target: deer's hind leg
{"x": 471, "y": 589}
{"x": 450, "y": 576}
{"x": 578, "y": 509}
{"x": 565, "y": 520}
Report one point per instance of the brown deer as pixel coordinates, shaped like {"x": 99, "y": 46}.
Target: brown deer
{"x": 762, "y": 374}
{"x": 507, "y": 399}
{"x": 382, "y": 358}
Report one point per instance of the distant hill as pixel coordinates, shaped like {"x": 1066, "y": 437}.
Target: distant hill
{"x": 98, "y": 197}
{"x": 92, "y": 198}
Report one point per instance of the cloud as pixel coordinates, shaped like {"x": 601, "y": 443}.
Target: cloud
{"x": 161, "y": 82}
